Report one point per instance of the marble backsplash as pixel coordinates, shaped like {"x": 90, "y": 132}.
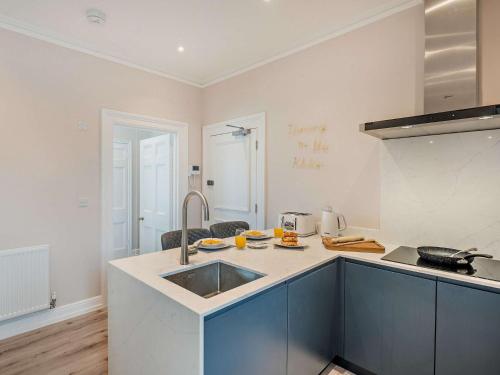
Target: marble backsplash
{"x": 442, "y": 190}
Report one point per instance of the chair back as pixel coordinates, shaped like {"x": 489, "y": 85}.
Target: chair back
{"x": 227, "y": 229}
{"x": 171, "y": 240}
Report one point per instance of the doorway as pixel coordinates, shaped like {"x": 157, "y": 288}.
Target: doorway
{"x": 235, "y": 185}
{"x": 143, "y": 181}
{"x": 144, "y": 175}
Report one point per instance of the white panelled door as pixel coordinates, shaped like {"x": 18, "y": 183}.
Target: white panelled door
{"x": 156, "y": 210}
{"x": 122, "y": 198}
{"x": 233, "y": 171}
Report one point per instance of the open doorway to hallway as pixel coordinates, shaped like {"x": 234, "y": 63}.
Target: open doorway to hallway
{"x": 143, "y": 189}
{"x": 144, "y": 174}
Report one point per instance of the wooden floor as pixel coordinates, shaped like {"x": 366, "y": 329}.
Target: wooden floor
{"x": 75, "y": 346}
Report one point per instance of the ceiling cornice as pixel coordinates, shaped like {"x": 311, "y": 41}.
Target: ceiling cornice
{"x": 47, "y": 36}
{"x": 344, "y": 30}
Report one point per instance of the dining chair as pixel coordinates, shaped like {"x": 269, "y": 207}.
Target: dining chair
{"x": 171, "y": 240}
{"x": 227, "y": 229}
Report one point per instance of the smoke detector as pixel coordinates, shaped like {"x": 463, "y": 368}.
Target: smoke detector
{"x": 96, "y": 16}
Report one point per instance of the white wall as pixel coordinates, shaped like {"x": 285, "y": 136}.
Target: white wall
{"x": 441, "y": 193}
{"x": 47, "y": 163}
{"x": 369, "y": 74}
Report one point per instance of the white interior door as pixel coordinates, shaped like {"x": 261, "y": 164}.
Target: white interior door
{"x": 156, "y": 204}
{"x": 122, "y": 198}
{"x": 233, "y": 178}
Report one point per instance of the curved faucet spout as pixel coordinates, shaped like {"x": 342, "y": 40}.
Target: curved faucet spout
{"x": 206, "y": 214}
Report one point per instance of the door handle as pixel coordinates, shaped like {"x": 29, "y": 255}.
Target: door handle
{"x": 210, "y": 182}
{"x": 141, "y": 218}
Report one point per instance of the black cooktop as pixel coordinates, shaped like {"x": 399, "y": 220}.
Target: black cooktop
{"x": 482, "y": 268}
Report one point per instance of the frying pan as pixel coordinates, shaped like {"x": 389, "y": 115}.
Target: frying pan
{"x": 449, "y": 257}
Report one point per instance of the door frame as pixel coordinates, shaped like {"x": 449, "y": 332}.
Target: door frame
{"x": 110, "y": 118}
{"x": 130, "y": 187}
{"x": 260, "y": 120}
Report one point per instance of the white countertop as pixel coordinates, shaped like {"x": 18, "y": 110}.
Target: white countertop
{"x": 276, "y": 263}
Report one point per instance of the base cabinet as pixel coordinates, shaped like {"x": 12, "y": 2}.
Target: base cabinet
{"x": 389, "y": 321}
{"x": 312, "y": 322}
{"x": 250, "y": 338}
{"x": 386, "y": 322}
{"x": 467, "y": 331}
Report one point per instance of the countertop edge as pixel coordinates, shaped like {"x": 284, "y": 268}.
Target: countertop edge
{"x": 189, "y": 300}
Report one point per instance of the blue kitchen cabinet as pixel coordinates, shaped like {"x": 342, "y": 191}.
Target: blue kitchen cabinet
{"x": 467, "y": 331}
{"x": 250, "y": 338}
{"x": 389, "y": 321}
{"x": 312, "y": 321}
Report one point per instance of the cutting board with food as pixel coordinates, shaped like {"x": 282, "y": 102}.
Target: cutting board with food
{"x": 353, "y": 243}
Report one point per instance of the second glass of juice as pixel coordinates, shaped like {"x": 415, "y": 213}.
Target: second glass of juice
{"x": 239, "y": 238}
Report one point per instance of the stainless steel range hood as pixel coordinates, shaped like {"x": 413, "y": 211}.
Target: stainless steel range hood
{"x": 451, "y": 77}
{"x": 459, "y": 121}
{"x": 450, "y": 59}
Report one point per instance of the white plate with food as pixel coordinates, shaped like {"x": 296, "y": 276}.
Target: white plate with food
{"x": 211, "y": 244}
{"x": 256, "y": 235}
{"x": 290, "y": 245}
{"x": 290, "y": 240}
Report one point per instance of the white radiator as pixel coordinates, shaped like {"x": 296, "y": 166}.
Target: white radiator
{"x": 24, "y": 281}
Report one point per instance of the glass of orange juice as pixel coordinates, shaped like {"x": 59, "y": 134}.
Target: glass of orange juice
{"x": 239, "y": 238}
{"x": 278, "y": 232}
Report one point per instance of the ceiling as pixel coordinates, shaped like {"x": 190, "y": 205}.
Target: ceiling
{"x": 221, "y": 38}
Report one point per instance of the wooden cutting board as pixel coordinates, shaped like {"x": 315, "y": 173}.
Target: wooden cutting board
{"x": 369, "y": 246}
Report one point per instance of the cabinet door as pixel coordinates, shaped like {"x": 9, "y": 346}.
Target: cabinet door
{"x": 467, "y": 331}
{"x": 311, "y": 321}
{"x": 389, "y": 321}
{"x": 250, "y": 338}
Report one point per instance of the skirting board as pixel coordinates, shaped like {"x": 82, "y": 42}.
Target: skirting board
{"x": 44, "y": 318}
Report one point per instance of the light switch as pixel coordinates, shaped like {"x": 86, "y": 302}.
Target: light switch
{"x": 82, "y": 126}
{"x": 83, "y": 202}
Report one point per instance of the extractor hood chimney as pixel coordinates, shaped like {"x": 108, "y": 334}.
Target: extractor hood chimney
{"x": 451, "y": 77}
{"x": 450, "y": 60}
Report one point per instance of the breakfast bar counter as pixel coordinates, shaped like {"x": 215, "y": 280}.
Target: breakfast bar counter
{"x": 157, "y": 326}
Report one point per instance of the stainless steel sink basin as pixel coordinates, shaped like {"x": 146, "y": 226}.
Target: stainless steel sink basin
{"x": 212, "y": 279}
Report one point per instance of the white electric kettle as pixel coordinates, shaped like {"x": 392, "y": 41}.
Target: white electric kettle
{"x": 332, "y": 223}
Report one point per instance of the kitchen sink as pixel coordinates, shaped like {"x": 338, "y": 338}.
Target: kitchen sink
{"x": 213, "y": 279}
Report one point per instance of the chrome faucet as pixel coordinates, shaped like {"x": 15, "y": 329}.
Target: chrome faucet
{"x": 184, "y": 238}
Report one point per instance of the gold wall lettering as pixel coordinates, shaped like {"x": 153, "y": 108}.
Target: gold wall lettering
{"x": 304, "y": 163}
{"x": 310, "y": 146}
{"x": 294, "y": 130}
{"x": 320, "y": 146}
